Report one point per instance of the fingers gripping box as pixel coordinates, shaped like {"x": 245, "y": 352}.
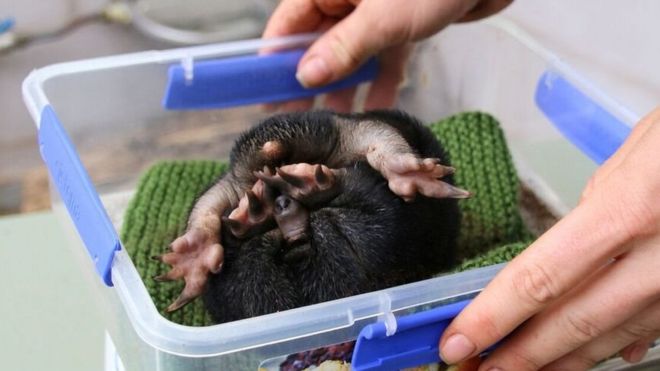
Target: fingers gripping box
{"x": 101, "y": 122}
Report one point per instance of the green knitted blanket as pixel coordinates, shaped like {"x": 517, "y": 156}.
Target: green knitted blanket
{"x": 492, "y": 230}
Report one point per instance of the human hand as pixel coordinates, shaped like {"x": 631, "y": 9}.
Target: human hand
{"x": 357, "y": 30}
{"x": 589, "y": 287}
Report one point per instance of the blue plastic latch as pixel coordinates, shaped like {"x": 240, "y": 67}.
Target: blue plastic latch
{"x": 78, "y": 193}
{"x": 6, "y": 24}
{"x": 591, "y": 128}
{"x": 414, "y": 343}
{"x": 243, "y": 80}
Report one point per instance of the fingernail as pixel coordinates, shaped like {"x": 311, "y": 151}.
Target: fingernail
{"x": 638, "y": 353}
{"x": 313, "y": 72}
{"x": 456, "y": 348}
{"x": 494, "y": 369}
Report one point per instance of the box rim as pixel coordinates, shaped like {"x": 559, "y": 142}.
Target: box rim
{"x": 214, "y": 342}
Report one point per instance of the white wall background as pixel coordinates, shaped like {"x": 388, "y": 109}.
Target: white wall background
{"x": 615, "y": 43}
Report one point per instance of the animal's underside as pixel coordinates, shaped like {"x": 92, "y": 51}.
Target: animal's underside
{"x": 317, "y": 206}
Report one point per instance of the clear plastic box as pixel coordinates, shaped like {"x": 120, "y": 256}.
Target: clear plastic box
{"x": 111, "y": 109}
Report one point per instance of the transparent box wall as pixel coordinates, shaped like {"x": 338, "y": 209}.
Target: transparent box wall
{"x": 111, "y": 109}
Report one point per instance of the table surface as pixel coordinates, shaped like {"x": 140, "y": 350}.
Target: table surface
{"x": 49, "y": 321}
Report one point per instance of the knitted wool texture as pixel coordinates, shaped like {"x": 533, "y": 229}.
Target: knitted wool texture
{"x": 492, "y": 230}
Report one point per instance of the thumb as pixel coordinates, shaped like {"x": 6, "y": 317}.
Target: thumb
{"x": 340, "y": 50}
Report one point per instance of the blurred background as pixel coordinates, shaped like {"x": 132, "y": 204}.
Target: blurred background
{"x": 613, "y": 43}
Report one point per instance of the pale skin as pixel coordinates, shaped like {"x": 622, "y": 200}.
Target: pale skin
{"x": 586, "y": 289}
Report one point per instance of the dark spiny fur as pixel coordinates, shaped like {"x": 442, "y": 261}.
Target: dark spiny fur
{"x": 365, "y": 239}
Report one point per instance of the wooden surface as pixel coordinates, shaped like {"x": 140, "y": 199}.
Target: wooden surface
{"x": 116, "y": 159}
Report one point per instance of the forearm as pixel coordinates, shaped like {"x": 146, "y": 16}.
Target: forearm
{"x": 212, "y": 204}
